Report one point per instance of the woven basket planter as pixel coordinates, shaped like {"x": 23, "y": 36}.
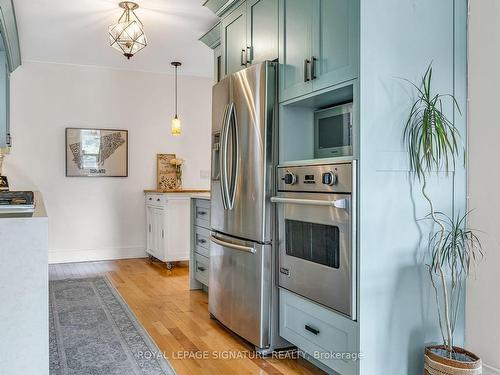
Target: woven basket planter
{"x": 437, "y": 365}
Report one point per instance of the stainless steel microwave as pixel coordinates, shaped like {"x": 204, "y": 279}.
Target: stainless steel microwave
{"x": 333, "y": 131}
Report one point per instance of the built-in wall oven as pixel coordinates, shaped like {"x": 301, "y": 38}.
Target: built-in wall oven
{"x": 316, "y": 225}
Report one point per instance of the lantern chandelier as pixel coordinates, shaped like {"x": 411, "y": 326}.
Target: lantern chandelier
{"x": 127, "y": 35}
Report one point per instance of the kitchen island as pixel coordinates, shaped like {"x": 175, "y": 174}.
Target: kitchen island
{"x": 24, "y": 311}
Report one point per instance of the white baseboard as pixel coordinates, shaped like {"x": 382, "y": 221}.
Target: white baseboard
{"x": 489, "y": 370}
{"x": 88, "y": 255}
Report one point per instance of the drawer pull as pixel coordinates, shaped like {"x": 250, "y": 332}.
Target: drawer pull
{"x": 202, "y": 241}
{"x": 311, "y": 329}
{"x": 202, "y": 212}
{"x": 202, "y": 269}
{"x": 158, "y": 200}
{"x": 150, "y": 198}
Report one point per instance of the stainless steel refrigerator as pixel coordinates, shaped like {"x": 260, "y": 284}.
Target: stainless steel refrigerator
{"x": 242, "y": 291}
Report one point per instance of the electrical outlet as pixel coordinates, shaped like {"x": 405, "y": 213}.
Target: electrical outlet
{"x": 204, "y": 174}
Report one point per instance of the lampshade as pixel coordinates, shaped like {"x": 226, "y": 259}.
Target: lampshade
{"x": 176, "y": 126}
{"x": 127, "y": 36}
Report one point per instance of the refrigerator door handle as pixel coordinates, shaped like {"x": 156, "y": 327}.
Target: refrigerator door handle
{"x": 234, "y": 156}
{"x": 231, "y": 245}
{"x": 223, "y": 158}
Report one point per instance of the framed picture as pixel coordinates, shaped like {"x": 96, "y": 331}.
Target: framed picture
{"x": 96, "y": 152}
{"x": 166, "y": 179}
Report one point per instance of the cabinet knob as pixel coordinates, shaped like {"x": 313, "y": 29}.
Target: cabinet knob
{"x": 202, "y": 241}
{"x": 150, "y": 198}
{"x": 158, "y": 199}
{"x": 202, "y": 269}
{"x": 202, "y": 212}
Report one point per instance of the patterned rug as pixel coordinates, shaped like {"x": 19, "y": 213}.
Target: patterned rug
{"x": 93, "y": 332}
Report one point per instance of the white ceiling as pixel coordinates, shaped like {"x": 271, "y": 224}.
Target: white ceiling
{"x": 75, "y": 32}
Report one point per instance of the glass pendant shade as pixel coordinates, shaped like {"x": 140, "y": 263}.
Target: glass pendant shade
{"x": 176, "y": 122}
{"x": 127, "y": 35}
{"x": 176, "y": 126}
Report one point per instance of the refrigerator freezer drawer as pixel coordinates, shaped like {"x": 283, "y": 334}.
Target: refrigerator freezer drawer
{"x": 240, "y": 287}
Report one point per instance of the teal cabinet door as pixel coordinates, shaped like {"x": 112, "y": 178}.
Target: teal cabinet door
{"x": 4, "y": 101}
{"x": 262, "y": 30}
{"x": 234, "y": 40}
{"x": 295, "y": 47}
{"x": 335, "y": 42}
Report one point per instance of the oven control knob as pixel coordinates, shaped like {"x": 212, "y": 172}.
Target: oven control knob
{"x": 329, "y": 178}
{"x": 290, "y": 178}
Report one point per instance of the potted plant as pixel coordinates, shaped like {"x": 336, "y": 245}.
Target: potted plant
{"x": 433, "y": 144}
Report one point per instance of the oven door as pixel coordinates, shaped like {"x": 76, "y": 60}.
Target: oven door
{"x": 316, "y": 248}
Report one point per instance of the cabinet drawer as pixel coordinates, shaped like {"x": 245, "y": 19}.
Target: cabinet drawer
{"x": 320, "y": 332}
{"x": 201, "y": 264}
{"x": 202, "y": 213}
{"x": 155, "y": 199}
{"x": 202, "y": 241}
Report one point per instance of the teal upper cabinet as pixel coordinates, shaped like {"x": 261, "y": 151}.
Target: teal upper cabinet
{"x": 219, "y": 7}
{"x": 296, "y": 29}
{"x": 335, "y": 46}
{"x": 8, "y": 30}
{"x": 212, "y": 37}
{"x": 234, "y": 40}
{"x": 250, "y": 34}
{"x": 319, "y": 44}
{"x": 4, "y": 101}
{"x": 262, "y": 30}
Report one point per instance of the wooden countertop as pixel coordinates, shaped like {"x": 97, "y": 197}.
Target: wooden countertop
{"x": 176, "y": 191}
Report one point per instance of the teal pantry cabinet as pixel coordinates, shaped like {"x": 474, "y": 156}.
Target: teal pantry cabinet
{"x": 249, "y": 34}
{"x": 5, "y": 140}
{"x": 10, "y": 59}
{"x": 318, "y": 45}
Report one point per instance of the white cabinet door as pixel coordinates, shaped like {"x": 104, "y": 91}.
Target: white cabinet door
{"x": 158, "y": 233}
{"x": 149, "y": 228}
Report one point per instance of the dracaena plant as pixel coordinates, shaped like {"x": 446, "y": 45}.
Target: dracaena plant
{"x": 433, "y": 144}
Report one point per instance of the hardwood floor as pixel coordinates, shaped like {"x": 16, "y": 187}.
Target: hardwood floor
{"x": 177, "y": 319}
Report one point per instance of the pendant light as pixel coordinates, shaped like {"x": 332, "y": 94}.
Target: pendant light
{"x": 176, "y": 121}
{"x": 127, "y": 35}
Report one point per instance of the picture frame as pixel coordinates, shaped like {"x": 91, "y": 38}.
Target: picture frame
{"x": 166, "y": 177}
{"x": 95, "y": 152}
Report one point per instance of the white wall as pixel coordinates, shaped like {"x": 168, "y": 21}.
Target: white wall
{"x": 102, "y": 218}
{"x": 483, "y": 301}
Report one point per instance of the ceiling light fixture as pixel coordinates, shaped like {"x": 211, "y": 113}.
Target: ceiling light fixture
{"x": 127, "y": 35}
{"x": 176, "y": 121}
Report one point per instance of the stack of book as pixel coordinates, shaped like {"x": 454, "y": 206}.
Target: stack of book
{"x": 17, "y": 202}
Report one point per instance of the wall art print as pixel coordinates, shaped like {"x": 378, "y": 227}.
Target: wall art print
{"x": 96, "y": 152}
{"x": 166, "y": 176}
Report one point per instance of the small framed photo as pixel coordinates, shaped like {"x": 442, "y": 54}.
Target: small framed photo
{"x": 96, "y": 152}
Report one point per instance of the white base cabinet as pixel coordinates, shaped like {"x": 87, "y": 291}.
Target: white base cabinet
{"x": 168, "y": 220}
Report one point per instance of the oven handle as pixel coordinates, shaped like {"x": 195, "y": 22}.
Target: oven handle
{"x": 339, "y": 203}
